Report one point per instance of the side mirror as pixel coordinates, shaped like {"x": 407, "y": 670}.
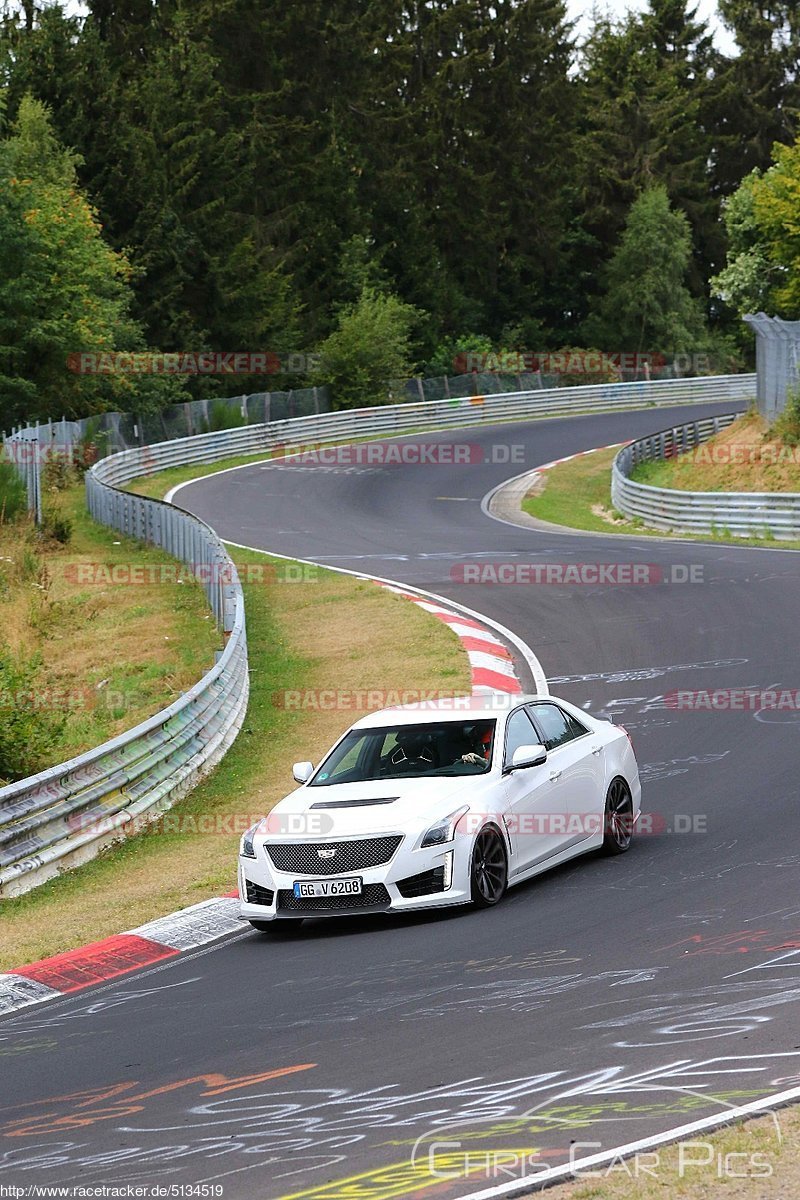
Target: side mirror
{"x": 528, "y": 756}
{"x": 302, "y": 771}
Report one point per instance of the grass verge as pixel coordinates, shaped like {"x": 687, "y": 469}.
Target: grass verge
{"x": 750, "y": 1160}
{"x": 577, "y": 494}
{"x": 101, "y": 634}
{"x": 339, "y": 636}
{"x": 746, "y": 457}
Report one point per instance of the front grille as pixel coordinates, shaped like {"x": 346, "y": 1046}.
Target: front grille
{"x": 373, "y": 896}
{"x": 256, "y": 894}
{"x": 424, "y": 884}
{"x": 303, "y": 858}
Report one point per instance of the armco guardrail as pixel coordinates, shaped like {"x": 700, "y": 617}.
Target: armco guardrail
{"x": 64, "y": 815}
{"x": 774, "y": 514}
{"x": 389, "y": 419}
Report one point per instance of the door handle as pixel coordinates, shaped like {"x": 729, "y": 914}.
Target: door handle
{"x": 554, "y": 775}
{"x": 596, "y": 749}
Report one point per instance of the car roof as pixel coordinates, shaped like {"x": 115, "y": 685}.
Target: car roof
{"x": 494, "y": 705}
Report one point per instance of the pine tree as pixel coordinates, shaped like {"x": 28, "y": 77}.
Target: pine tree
{"x": 647, "y": 306}
{"x": 646, "y": 83}
{"x": 757, "y": 93}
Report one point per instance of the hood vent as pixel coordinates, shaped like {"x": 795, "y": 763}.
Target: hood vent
{"x": 353, "y": 803}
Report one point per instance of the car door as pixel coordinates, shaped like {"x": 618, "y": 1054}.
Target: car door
{"x": 536, "y": 806}
{"x": 576, "y": 754}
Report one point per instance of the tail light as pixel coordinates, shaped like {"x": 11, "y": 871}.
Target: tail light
{"x": 627, "y": 735}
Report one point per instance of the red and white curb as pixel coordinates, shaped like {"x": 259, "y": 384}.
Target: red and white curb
{"x": 490, "y": 661}
{"x": 580, "y": 454}
{"x": 164, "y": 938}
{"x": 492, "y": 667}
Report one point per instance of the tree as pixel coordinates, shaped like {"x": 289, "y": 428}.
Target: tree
{"x": 747, "y": 282}
{"x": 64, "y": 290}
{"x": 757, "y": 90}
{"x": 645, "y": 90}
{"x": 647, "y": 305}
{"x": 763, "y": 269}
{"x": 370, "y": 346}
{"x": 776, "y": 204}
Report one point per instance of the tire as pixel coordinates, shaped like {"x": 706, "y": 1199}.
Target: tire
{"x": 618, "y": 818}
{"x": 488, "y": 872}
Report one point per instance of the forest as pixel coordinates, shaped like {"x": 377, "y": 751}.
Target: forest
{"x": 363, "y": 190}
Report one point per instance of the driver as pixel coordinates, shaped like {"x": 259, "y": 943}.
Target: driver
{"x": 480, "y": 744}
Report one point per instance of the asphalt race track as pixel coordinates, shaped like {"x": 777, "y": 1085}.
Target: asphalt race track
{"x": 601, "y": 1003}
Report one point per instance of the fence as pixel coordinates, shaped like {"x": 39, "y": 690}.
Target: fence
{"x": 777, "y": 361}
{"x": 757, "y": 514}
{"x": 577, "y": 364}
{"x": 64, "y": 815}
{"x": 110, "y": 432}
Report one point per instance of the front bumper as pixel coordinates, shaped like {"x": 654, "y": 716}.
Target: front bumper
{"x": 266, "y": 893}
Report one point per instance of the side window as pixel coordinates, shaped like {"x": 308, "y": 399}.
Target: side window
{"x": 577, "y": 729}
{"x": 556, "y": 725}
{"x": 519, "y": 732}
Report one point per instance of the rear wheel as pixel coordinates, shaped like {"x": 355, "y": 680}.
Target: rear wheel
{"x": 488, "y": 869}
{"x": 618, "y": 821}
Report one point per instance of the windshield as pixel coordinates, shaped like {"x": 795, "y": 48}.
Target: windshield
{"x": 449, "y": 748}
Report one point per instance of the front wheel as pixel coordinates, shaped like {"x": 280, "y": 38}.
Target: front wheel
{"x": 488, "y": 869}
{"x": 618, "y": 820}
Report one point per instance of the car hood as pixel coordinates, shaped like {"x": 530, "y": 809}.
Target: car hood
{"x": 352, "y": 809}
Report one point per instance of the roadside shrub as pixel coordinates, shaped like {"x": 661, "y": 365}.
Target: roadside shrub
{"x": 225, "y": 416}
{"x": 13, "y": 498}
{"x": 55, "y": 526}
{"x": 370, "y": 345}
{"x": 787, "y": 426}
{"x": 57, "y": 474}
{"x": 29, "y": 727}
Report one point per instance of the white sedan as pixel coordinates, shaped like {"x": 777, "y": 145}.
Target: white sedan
{"x": 450, "y": 803}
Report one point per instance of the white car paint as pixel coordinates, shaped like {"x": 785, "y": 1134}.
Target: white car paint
{"x": 546, "y": 814}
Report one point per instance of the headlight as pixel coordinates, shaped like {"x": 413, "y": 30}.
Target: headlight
{"x": 246, "y": 848}
{"x": 443, "y": 831}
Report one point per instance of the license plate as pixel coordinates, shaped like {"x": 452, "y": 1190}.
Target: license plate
{"x": 321, "y": 888}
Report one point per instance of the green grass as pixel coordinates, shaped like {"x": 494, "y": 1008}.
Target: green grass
{"x": 110, "y": 654}
{"x": 577, "y": 495}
